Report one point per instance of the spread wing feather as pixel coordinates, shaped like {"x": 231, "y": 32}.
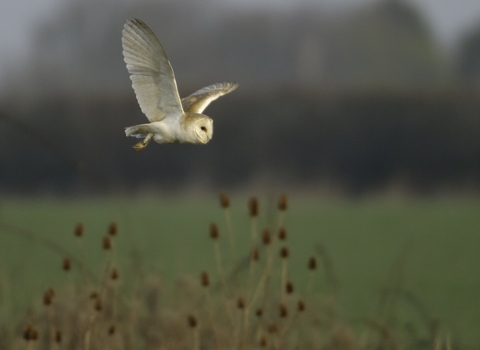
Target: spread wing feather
{"x": 199, "y": 100}
{"x": 150, "y": 71}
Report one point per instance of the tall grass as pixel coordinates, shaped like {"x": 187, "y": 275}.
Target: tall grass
{"x": 246, "y": 302}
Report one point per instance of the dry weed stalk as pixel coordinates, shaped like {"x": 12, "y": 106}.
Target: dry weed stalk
{"x": 243, "y": 315}
{"x": 225, "y": 205}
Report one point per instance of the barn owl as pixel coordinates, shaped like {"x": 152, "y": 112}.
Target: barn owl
{"x": 171, "y": 119}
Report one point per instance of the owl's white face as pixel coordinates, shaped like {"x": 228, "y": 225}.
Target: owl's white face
{"x": 204, "y": 130}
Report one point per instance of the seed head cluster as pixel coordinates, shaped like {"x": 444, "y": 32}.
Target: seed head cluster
{"x": 67, "y": 264}
{"x": 78, "y": 230}
{"x": 113, "y": 229}
{"x": 282, "y": 203}
{"x": 192, "y": 321}
{"x": 289, "y": 287}
{"x": 106, "y": 243}
{"x": 48, "y": 297}
{"x": 224, "y": 200}
{"x": 282, "y": 234}
{"x": 266, "y": 237}
{"x": 204, "y": 279}
{"x": 30, "y": 333}
{"x": 241, "y": 303}
{"x": 214, "y": 231}
{"x": 255, "y": 254}
{"x": 114, "y": 274}
{"x": 253, "y": 207}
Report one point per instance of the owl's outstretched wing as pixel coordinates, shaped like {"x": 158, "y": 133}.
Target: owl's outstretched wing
{"x": 199, "y": 100}
{"x": 150, "y": 71}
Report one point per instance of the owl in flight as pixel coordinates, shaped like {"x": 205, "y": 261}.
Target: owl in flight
{"x": 171, "y": 119}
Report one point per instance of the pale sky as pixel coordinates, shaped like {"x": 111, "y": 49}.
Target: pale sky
{"x": 19, "y": 19}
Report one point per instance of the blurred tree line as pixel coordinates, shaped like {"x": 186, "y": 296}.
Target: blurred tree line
{"x": 358, "y": 101}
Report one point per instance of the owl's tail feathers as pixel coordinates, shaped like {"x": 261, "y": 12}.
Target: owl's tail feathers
{"x": 138, "y": 131}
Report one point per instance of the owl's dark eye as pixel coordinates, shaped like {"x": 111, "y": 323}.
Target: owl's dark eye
{"x": 203, "y": 128}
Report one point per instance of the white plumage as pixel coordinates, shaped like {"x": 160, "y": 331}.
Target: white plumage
{"x": 171, "y": 119}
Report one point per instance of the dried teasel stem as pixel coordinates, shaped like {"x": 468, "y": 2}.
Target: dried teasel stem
{"x": 282, "y": 203}
{"x": 78, "y": 232}
{"x": 238, "y": 327}
{"x": 58, "y": 336}
{"x": 282, "y": 208}
{"x": 253, "y": 211}
{"x": 225, "y": 204}
{"x": 312, "y": 266}
{"x": 282, "y": 234}
{"x": 283, "y": 311}
{"x": 205, "y": 282}
{"x": 31, "y": 336}
{"x": 97, "y": 308}
{"x": 263, "y": 341}
{"x": 254, "y": 257}
{"x": 301, "y": 306}
{"x": 192, "y": 323}
{"x": 48, "y": 297}
{"x": 266, "y": 240}
{"x": 284, "y": 253}
{"x": 214, "y": 234}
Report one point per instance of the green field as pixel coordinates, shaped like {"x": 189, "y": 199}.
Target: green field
{"x": 430, "y": 248}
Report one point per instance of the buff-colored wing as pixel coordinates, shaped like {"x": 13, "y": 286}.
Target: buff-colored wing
{"x": 150, "y": 71}
{"x": 199, "y": 100}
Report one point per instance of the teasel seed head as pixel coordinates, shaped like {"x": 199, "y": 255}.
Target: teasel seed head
{"x": 98, "y": 304}
{"x": 284, "y": 252}
{"x": 283, "y": 311}
{"x": 30, "y": 333}
{"x": 312, "y": 263}
{"x": 259, "y": 312}
{"x": 253, "y": 207}
{"x": 48, "y": 297}
{"x": 266, "y": 237}
{"x": 282, "y": 203}
{"x": 255, "y": 254}
{"x": 263, "y": 341}
{"x": 111, "y": 329}
{"x": 114, "y": 274}
{"x": 204, "y": 279}
{"x": 113, "y": 229}
{"x": 282, "y": 234}
{"x": 289, "y": 287}
{"x": 272, "y": 328}
{"x": 106, "y": 243}
{"x": 58, "y": 336}
{"x": 224, "y": 200}
{"x": 241, "y": 303}
{"x": 67, "y": 264}
{"x": 301, "y": 306}
{"x": 214, "y": 231}
{"x": 78, "y": 230}
{"x": 192, "y": 321}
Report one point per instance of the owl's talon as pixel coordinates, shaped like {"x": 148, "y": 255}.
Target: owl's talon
{"x": 139, "y": 146}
